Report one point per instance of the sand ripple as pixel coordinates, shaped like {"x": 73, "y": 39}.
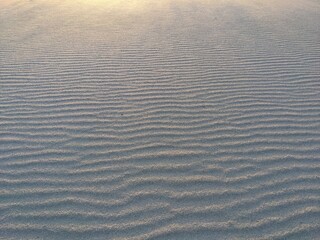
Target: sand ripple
{"x": 192, "y": 120}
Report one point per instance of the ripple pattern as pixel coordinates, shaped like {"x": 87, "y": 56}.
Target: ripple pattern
{"x": 193, "y": 119}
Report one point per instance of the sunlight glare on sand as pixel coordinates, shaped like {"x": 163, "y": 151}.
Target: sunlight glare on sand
{"x": 130, "y": 6}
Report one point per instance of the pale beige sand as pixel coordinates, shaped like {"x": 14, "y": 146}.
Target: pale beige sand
{"x": 159, "y": 119}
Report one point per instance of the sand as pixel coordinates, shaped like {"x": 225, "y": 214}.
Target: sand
{"x": 148, "y": 119}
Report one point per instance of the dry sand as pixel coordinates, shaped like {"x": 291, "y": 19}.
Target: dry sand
{"x": 159, "y": 119}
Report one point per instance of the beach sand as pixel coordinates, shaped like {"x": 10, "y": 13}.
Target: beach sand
{"x": 159, "y": 119}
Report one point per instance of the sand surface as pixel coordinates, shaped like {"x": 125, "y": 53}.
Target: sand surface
{"x": 159, "y": 119}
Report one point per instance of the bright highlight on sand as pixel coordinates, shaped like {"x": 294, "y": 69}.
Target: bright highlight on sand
{"x": 159, "y": 119}
{"x": 118, "y": 5}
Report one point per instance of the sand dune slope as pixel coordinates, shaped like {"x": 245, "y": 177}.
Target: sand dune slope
{"x": 186, "y": 119}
